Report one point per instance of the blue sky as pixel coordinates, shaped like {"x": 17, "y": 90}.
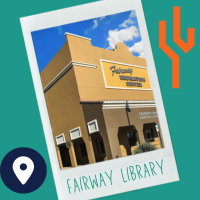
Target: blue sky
{"x": 105, "y": 32}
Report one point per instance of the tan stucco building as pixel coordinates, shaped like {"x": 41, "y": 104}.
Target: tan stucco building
{"x": 99, "y": 101}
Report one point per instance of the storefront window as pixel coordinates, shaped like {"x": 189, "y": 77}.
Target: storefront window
{"x": 131, "y": 138}
{"x": 100, "y": 146}
{"x": 150, "y": 135}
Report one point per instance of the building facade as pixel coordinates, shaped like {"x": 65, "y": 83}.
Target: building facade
{"x": 100, "y": 102}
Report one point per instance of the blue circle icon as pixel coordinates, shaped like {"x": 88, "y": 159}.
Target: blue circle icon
{"x": 23, "y": 170}
{"x": 23, "y": 166}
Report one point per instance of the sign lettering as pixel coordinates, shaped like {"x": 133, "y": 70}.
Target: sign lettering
{"x": 123, "y": 76}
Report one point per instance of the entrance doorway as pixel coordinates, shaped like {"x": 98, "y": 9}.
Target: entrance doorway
{"x": 64, "y": 153}
{"x": 128, "y": 140}
{"x": 81, "y": 152}
{"x": 98, "y": 146}
{"x": 151, "y": 135}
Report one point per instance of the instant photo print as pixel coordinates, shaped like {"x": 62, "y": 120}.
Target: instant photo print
{"x": 99, "y": 99}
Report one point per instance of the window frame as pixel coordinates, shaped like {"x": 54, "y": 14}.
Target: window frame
{"x": 59, "y": 136}
{"x": 77, "y": 128}
{"x": 88, "y": 125}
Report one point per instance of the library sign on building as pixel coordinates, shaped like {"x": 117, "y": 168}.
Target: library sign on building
{"x": 100, "y": 102}
{"x": 125, "y": 76}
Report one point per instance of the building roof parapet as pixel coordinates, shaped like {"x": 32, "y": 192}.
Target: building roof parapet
{"x": 66, "y": 33}
{"x": 65, "y": 70}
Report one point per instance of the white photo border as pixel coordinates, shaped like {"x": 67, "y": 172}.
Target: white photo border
{"x": 89, "y": 11}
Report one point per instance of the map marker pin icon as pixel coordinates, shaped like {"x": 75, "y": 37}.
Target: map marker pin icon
{"x": 23, "y": 168}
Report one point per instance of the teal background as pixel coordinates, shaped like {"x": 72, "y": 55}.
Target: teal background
{"x": 20, "y": 120}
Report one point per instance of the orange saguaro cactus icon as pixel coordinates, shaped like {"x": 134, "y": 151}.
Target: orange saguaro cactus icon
{"x": 177, "y": 39}
{"x": 170, "y": 53}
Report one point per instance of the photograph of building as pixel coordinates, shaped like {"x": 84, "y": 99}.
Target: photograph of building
{"x": 100, "y": 102}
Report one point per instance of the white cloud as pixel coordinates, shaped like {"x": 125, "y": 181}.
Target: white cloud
{"x": 59, "y": 29}
{"x": 129, "y": 21}
{"x": 133, "y": 14}
{"x": 93, "y": 27}
{"x": 138, "y": 48}
{"x": 102, "y": 18}
{"x": 126, "y": 23}
{"x": 107, "y": 22}
{"x": 95, "y": 24}
{"x": 123, "y": 35}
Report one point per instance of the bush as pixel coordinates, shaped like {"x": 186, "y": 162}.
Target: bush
{"x": 144, "y": 147}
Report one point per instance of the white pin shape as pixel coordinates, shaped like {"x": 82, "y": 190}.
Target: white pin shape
{"x": 23, "y": 175}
